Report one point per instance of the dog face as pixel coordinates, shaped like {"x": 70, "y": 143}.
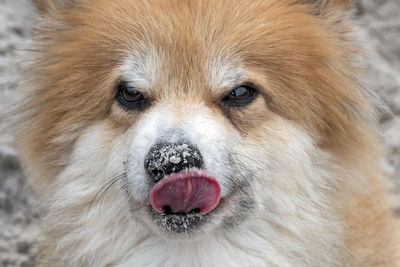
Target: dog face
{"x": 194, "y": 115}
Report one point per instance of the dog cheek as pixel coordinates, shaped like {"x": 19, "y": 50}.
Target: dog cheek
{"x": 95, "y": 167}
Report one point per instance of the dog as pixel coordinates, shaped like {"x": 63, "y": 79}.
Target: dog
{"x": 204, "y": 133}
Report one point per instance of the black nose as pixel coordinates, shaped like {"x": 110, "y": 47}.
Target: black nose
{"x": 166, "y": 158}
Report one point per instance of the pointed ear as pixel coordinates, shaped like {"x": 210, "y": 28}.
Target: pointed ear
{"x": 46, "y": 6}
{"x": 326, "y": 7}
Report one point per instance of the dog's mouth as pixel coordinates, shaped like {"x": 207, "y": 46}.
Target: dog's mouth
{"x": 183, "y": 202}
{"x": 190, "y": 204}
{"x": 186, "y": 193}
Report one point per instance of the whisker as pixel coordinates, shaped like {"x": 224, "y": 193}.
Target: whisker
{"x": 106, "y": 186}
{"x": 102, "y": 196}
{"x": 241, "y": 183}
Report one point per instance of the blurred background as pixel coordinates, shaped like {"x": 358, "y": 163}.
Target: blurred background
{"x": 377, "y": 31}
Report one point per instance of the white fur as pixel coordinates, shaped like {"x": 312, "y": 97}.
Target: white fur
{"x": 142, "y": 66}
{"x": 293, "y": 223}
{"x": 224, "y": 72}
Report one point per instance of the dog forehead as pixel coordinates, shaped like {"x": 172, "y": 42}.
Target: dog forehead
{"x": 142, "y": 67}
{"x": 149, "y": 68}
{"x": 186, "y": 47}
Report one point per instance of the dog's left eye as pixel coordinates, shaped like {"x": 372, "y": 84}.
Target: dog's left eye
{"x": 130, "y": 97}
{"x": 241, "y": 96}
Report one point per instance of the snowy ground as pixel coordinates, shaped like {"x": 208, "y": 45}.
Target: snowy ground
{"x": 378, "y": 32}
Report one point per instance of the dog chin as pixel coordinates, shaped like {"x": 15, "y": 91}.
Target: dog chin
{"x": 230, "y": 212}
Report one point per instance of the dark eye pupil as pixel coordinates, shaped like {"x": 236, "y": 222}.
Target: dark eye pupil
{"x": 130, "y": 94}
{"x": 241, "y": 93}
{"x": 131, "y": 98}
{"x": 241, "y": 96}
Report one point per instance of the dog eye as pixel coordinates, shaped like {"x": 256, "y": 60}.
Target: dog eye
{"x": 241, "y": 96}
{"x": 130, "y": 97}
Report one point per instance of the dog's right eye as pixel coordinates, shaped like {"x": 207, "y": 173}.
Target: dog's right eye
{"x": 130, "y": 98}
{"x": 241, "y": 96}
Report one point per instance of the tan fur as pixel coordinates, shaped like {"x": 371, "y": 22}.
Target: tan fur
{"x": 372, "y": 236}
{"x": 297, "y": 52}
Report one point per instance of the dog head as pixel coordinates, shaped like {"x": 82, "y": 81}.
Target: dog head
{"x": 196, "y": 114}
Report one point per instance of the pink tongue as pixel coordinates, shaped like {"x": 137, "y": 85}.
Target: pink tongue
{"x": 186, "y": 192}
